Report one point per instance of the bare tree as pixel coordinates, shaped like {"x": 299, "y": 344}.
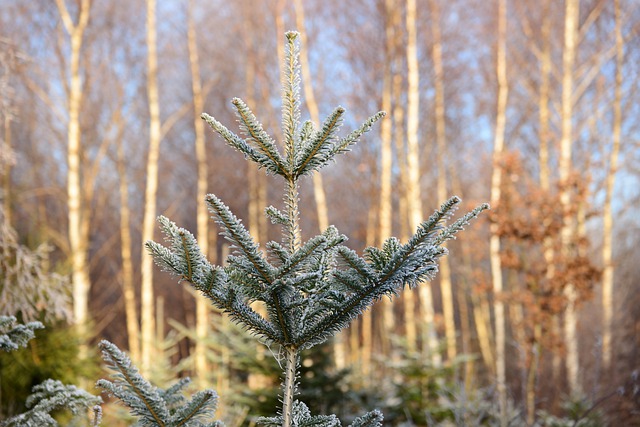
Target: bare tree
{"x": 565, "y": 167}
{"x": 607, "y": 214}
{"x": 128, "y": 288}
{"x": 414, "y": 200}
{"x": 314, "y": 112}
{"x": 441, "y": 142}
{"x": 78, "y": 223}
{"x": 496, "y": 182}
{"x": 147, "y": 294}
{"x": 202, "y": 216}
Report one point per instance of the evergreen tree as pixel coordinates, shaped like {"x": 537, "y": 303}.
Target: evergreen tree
{"x": 14, "y": 335}
{"x": 48, "y": 396}
{"x": 313, "y": 289}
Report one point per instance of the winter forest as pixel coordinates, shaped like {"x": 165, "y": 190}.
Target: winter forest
{"x": 532, "y": 106}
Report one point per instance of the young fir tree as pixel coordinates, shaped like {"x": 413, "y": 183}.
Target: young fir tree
{"x": 313, "y": 289}
{"x": 50, "y": 395}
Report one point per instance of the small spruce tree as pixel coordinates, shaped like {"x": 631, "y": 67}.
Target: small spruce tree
{"x": 313, "y": 289}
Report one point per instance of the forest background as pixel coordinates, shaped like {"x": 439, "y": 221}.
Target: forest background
{"x": 531, "y": 105}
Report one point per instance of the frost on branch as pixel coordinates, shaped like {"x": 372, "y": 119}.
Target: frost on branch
{"x": 153, "y": 406}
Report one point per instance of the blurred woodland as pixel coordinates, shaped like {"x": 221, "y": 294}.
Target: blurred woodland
{"x": 531, "y": 105}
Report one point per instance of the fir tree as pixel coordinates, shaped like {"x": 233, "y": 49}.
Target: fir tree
{"x": 153, "y": 406}
{"x": 50, "y": 395}
{"x": 14, "y": 335}
{"x": 313, "y": 289}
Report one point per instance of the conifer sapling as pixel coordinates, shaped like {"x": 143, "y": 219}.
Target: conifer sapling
{"x": 313, "y": 289}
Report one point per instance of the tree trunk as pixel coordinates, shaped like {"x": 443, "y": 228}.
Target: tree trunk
{"x": 386, "y": 178}
{"x": 318, "y": 186}
{"x": 414, "y": 200}
{"x": 78, "y": 242}
{"x": 607, "y": 214}
{"x": 465, "y": 297}
{"x": 441, "y": 140}
{"x": 565, "y": 166}
{"x": 312, "y": 106}
{"x": 202, "y": 215}
{"x": 148, "y": 226}
{"x": 496, "y": 182}
{"x": 128, "y": 289}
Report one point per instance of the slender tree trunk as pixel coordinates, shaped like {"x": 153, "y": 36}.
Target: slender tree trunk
{"x": 414, "y": 200}
{"x": 496, "y": 182}
{"x": 565, "y": 166}
{"x": 464, "y": 298}
{"x": 148, "y": 226}
{"x": 532, "y": 374}
{"x": 312, "y": 106}
{"x": 368, "y": 316}
{"x": 128, "y": 289}
{"x": 318, "y": 186}
{"x": 441, "y": 140}
{"x": 386, "y": 178}
{"x": 607, "y": 215}
{"x": 202, "y": 215}
{"x": 255, "y": 381}
{"x": 543, "y": 102}
{"x": 408, "y": 298}
{"x": 289, "y": 385}
{"x": 81, "y": 283}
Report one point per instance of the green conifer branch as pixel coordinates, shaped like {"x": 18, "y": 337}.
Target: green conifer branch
{"x": 263, "y": 160}
{"x": 290, "y": 98}
{"x": 14, "y": 335}
{"x": 155, "y": 407}
{"x": 370, "y": 419}
{"x": 51, "y": 396}
{"x": 321, "y": 142}
{"x": 235, "y": 232}
{"x": 351, "y": 139}
{"x": 131, "y": 388}
{"x": 250, "y": 125}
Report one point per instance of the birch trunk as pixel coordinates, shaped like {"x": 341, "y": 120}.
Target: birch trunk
{"x": 312, "y": 106}
{"x": 607, "y": 214}
{"x": 128, "y": 289}
{"x": 386, "y": 163}
{"x": 78, "y": 241}
{"x": 148, "y": 226}
{"x": 464, "y": 298}
{"x": 408, "y": 298}
{"x": 318, "y": 186}
{"x": 441, "y": 141}
{"x": 496, "y": 181}
{"x": 414, "y": 200}
{"x": 565, "y": 165}
{"x": 202, "y": 216}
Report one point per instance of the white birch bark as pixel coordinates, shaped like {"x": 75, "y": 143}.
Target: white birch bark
{"x": 78, "y": 240}
{"x": 565, "y": 166}
{"x": 414, "y": 198}
{"x": 128, "y": 289}
{"x": 386, "y": 163}
{"x": 441, "y": 141}
{"x": 148, "y": 226}
{"x": 496, "y": 181}
{"x": 318, "y": 186}
{"x": 202, "y": 216}
{"x": 607, "y": 214}
{"x": 312, "y": 106}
